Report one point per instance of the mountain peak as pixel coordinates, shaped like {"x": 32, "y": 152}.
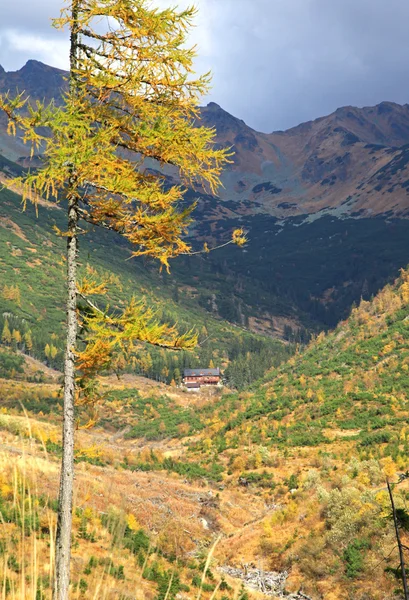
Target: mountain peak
{"x": 213, "y": 115}
{"x": 33, "y": 64}
{"x": 214, "y": 106}
{"x": 30, "y": 66}
{"x": 387, "y": 107}
{"x": 36, "y": 66}
{"x": 36, "y": 79}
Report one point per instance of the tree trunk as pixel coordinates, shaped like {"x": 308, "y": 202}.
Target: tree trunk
{"x": 64, "y": 525}
{"x": 400, "y": 548}
{"x": 65, "y": 499}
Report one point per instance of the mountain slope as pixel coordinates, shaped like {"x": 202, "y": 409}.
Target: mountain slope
{"x": 32, "y": 297}
{"x": 313, "y": 443}
{"x": 320, "y": 435}
{"x": 317, "y": 440}
{"x": 305, "y": 169}
{"x": 355, "y": 378}
{"x": 35, "y": 79}
{"x": 329, "y": 163}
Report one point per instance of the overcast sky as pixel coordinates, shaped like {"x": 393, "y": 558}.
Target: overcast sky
{"x": 275, "y": 63}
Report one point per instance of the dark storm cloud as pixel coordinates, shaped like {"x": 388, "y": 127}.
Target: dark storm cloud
{"x": 280, "y": 62}
{"x": 275, "y": 62}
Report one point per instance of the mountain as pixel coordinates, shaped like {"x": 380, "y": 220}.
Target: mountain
{"x": 325, "y": 205}
{"x": 37, "y": 80}
{"x": 352, "y": 162}
{"x": 40, "y": 82}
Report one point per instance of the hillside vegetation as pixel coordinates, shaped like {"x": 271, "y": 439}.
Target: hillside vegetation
{"x": 32, "y": 298}
{"x": 293, "y": 471}
{"x": 318, "y": 438}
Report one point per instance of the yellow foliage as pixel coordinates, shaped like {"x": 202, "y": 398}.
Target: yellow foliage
{"x": 388, "y": 467}
{"x": 258, "y": 460}
{"x": 388, "y": 347}
{"x": 286, "y": 514}
{"x": 320, "y": 395}
{"x": 88, "y": 513}
{"x": 277, "y": 518}
{"x": 363, "y": 478}
{"x": 239, "y": 238}
{"x": 12, "y": 293}
{"x": 239, "y": 463}
{"x": 92, "y": 452}
{"x": 402, "y": 463}
{"x": 382, "y": 499}
{"x": 207, "y": 444}
{"x": 404, "y": 291}
{"x": 6, "y": 491}
{"x": 132, "y": 522}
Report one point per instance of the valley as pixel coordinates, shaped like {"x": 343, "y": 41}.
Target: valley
{"x": 289, "y": 476}
{"x": 274, "y": 486}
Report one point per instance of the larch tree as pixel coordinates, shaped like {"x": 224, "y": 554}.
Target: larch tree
{"x": 6, "y": 334}
{"x": 131, "y": 108}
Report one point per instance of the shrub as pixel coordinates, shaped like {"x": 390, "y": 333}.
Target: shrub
{"x": 374, "y": 439}
{"x": 353, "y": 557}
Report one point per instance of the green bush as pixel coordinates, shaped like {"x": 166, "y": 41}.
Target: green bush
{"x": 353, "y": 557}
{"x": 10, "y": 364}
{"x": 374, "y": 439}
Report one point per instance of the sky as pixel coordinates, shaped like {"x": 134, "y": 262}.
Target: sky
{"x": 275, "y": 63}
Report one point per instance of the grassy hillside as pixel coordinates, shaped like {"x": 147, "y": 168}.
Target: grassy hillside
{"x": 317, "y": 439}
{"x": 129, "y": 539}
{"x": 32, "y": 271}
{"x": 354, "y": 379}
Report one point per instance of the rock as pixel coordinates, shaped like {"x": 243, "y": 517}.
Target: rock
{"x": 270, "y": 583}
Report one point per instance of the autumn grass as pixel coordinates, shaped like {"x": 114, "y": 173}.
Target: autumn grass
{"x": 27, "y": 554}
{"x": 113, "y": 557}
{"x": 305, "y": 456}
{"x": 273, "y": 526}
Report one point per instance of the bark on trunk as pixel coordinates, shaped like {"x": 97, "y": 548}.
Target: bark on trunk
{"x": 65, "y": 499}
{"x": 400, "y": 547}
{"x": 64, "y": 525}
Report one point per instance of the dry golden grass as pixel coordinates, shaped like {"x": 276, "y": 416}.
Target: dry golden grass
{"x": 180, "y": 516}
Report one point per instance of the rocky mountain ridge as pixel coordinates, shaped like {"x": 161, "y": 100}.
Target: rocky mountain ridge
{"x": 351, "y": 162}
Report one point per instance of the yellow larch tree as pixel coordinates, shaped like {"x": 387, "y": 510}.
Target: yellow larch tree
{"x": 132, "y": 104}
